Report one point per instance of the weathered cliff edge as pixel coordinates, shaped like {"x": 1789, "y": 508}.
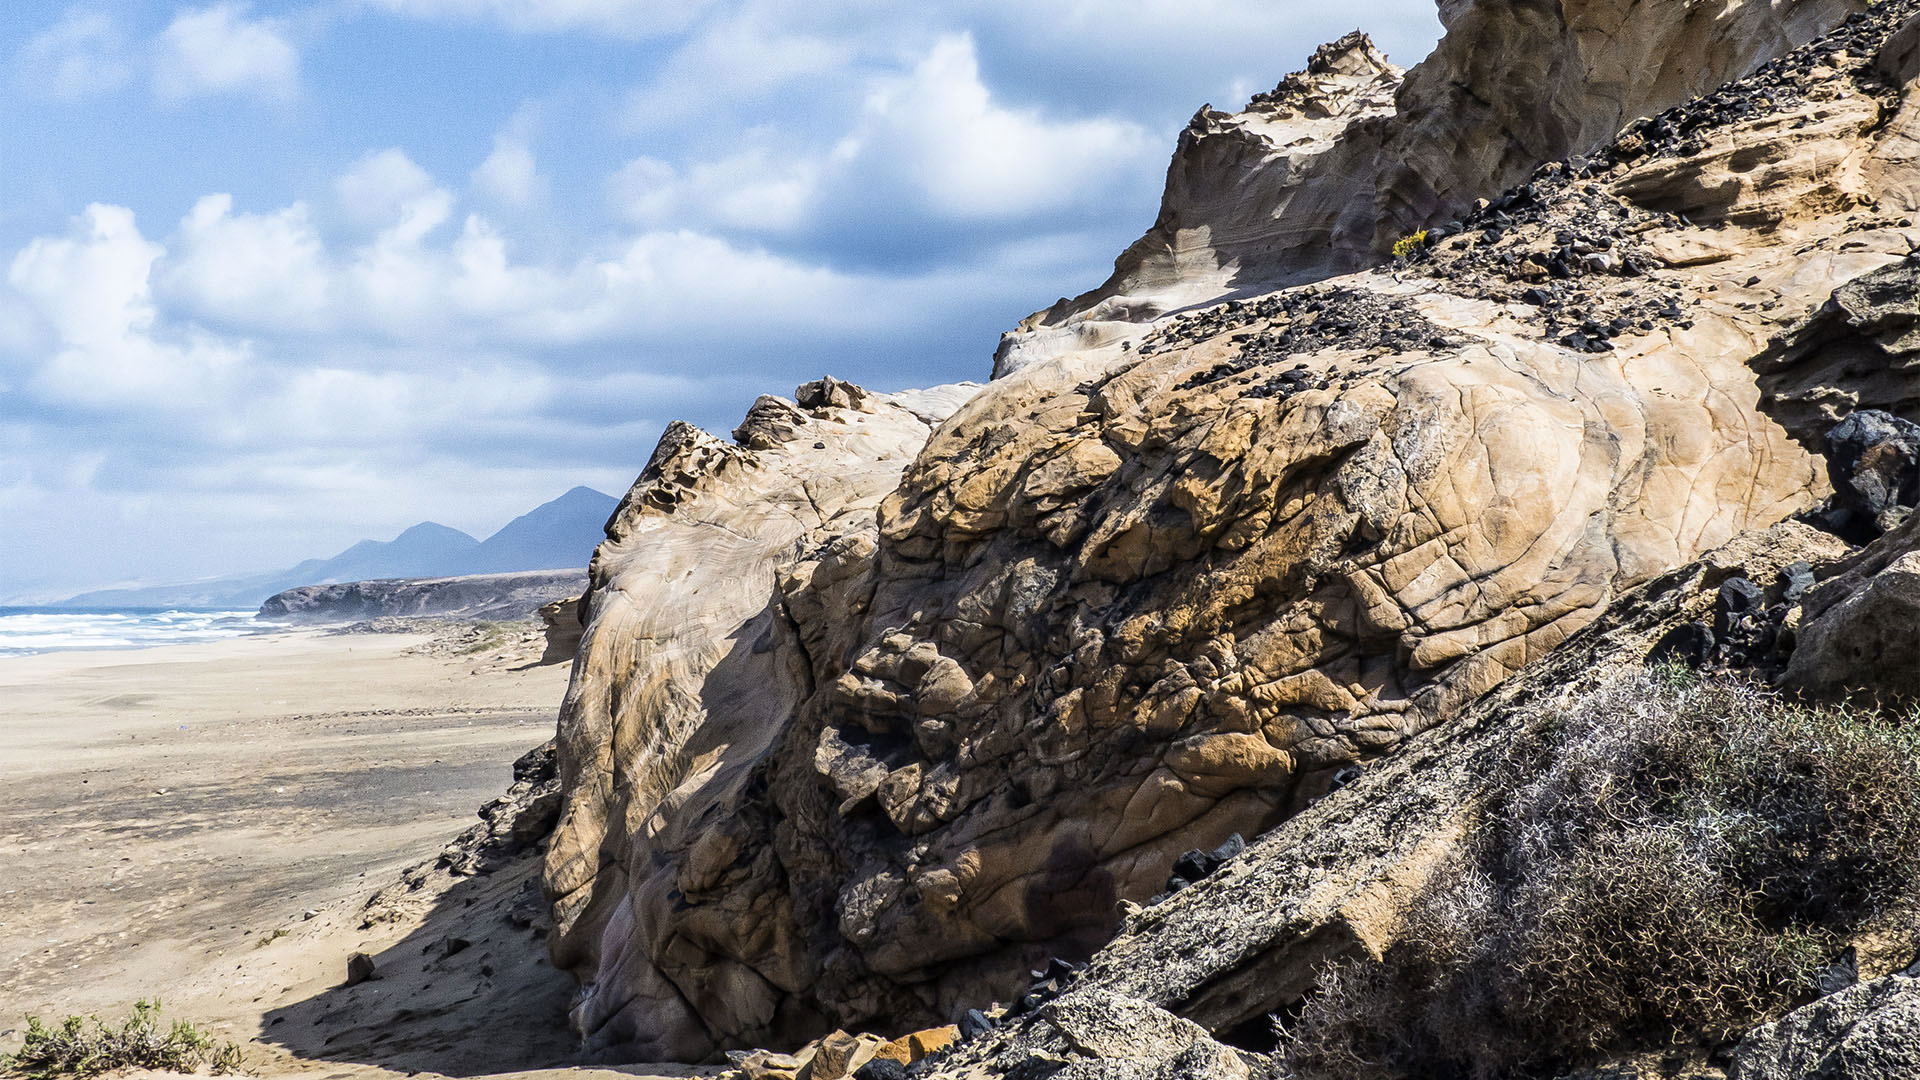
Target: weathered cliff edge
{"x": 471, "y": 596}
{"x": 1323, "y": 174}
{"x": 877, "y": 710}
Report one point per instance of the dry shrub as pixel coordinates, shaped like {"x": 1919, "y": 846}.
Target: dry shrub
{"x": 79, "y": 1049}
{"x": 1663, "y": 861}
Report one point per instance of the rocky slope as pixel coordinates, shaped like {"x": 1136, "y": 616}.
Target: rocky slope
{"x": 473, "y": 596}
{"x": 879, "y": 707}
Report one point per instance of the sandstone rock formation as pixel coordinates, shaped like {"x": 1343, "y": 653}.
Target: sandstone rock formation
{"x": 1333, "y": 881}
{"x": 563, "y": 629}
{"x": 877, "y": 711}
{"x": 678, "y": 692}
{"x": 1326, "y": 172}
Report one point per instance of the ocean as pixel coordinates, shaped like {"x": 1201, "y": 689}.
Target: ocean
{"x": 27, "y": 630}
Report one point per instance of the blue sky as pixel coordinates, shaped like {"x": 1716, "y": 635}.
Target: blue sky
{"x": 277, "y": 276}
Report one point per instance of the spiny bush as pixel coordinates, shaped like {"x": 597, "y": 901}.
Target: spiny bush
{"x": 75, "y": 1049}
{"x": 1408, "y": 246}
{"x": 1663, "y": 861}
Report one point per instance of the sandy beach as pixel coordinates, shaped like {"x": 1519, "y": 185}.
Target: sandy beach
{"x": 205, "y": 824}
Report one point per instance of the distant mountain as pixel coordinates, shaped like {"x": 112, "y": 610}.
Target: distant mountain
{"x": 558, "y": 535}
{"x": 426, "y": 550}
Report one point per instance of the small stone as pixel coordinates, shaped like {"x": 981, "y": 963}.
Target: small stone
{"x": 974, "y": 1024}
{"x": 1843, "y": 972}
{"x": 360, "y": 969}
{"x": 1795, "y": 580}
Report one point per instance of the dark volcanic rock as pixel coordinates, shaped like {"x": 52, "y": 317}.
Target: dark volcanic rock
{"x": 1873, "y": 458}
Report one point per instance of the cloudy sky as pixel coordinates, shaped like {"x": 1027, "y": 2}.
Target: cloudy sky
{"x": 276, "y": 276}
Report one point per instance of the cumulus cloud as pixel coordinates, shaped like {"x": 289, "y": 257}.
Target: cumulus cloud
{"x": 510, "y": 176}
{"x": 930, "y": 141}
{"x": 387, "y": 190}
{"x": 736, "y": 61}
{"x": 84, "y": 53}
{"x": 756, "y": 189}
{"x": 257, "y": 270}
{"x": 219, "y": 50}
{"x": 972, "y": 157}
{"x": 92, "y": 287}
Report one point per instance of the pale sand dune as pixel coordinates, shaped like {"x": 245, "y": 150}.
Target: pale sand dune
{"x": 170, "y": 814}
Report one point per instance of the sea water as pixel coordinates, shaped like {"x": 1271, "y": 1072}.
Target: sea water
{"x": 25, "y": 630}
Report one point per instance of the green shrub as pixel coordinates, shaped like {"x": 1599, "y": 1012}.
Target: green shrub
{"x": 77, "y": 1049}
{"x": 1667, "y": 860}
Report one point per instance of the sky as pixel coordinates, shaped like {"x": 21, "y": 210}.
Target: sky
{"x": 277, "y": 276}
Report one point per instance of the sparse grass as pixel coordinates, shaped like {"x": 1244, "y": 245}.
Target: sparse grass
{"x": 1669, "y": 860}
{"x": 486, "y": 635}
{"x": 85, "y": 1046}
{"x": 267, "y": 939}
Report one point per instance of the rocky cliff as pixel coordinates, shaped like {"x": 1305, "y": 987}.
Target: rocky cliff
{"x": 472, "y": 596}
{"x": 1325, "y": 173}
{"x": 891, "y": 700}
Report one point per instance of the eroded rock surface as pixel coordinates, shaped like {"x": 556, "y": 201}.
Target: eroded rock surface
{"x": 855, "y": 746}
{"x": 677, "y": 691}
{"x": 1334, "y": 881}
{"x": 1325, "y": 173}
{"x": 1865, "y": 1032}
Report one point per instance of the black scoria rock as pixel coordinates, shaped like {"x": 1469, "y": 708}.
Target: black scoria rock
{"x": 1873, "y": 459}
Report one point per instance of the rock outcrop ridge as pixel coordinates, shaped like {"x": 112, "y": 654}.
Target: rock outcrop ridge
{"x": 473, "y": 596}
{"x": 1325, "y": 173}
{"x": 882, "y": 706}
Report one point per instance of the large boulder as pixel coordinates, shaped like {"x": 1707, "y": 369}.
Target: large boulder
{"x": 850, "y": 746}
{"x": 1858, "y": 631}
{"x": 1865, "y": 1032}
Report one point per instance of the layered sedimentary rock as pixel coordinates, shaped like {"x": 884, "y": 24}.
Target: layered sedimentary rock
{"x": 1326, "y": 172}
{"x": 866, "y": 757}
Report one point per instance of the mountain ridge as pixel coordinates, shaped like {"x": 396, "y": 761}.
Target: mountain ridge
{"x": 556, "y": 535}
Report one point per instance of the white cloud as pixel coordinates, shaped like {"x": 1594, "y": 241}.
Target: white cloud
{"x": 387, "y": 190}
{"x": 645, "y": 191}
{"x": 218, "y": 50}
{"x": 107, "y": 298}
{"x": 84, "y": 53}
{"x": 737, "y": 61}
{"x": 259, "y": 270}
{"x": 930, "y": 140}
{"x": 93, "y": 289}
{"x": 619, "y": 18}
{"x": 510, "y": 175}
{"x": 756, "y": 189}
{"x": 974, "y": 158}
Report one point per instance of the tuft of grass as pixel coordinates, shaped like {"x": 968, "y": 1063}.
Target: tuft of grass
{"x": 1668, "y": 860}
{"x": 1409, "y": 246}
{"x": 84, "y": 1047}
{"x": 486, "y": 636}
